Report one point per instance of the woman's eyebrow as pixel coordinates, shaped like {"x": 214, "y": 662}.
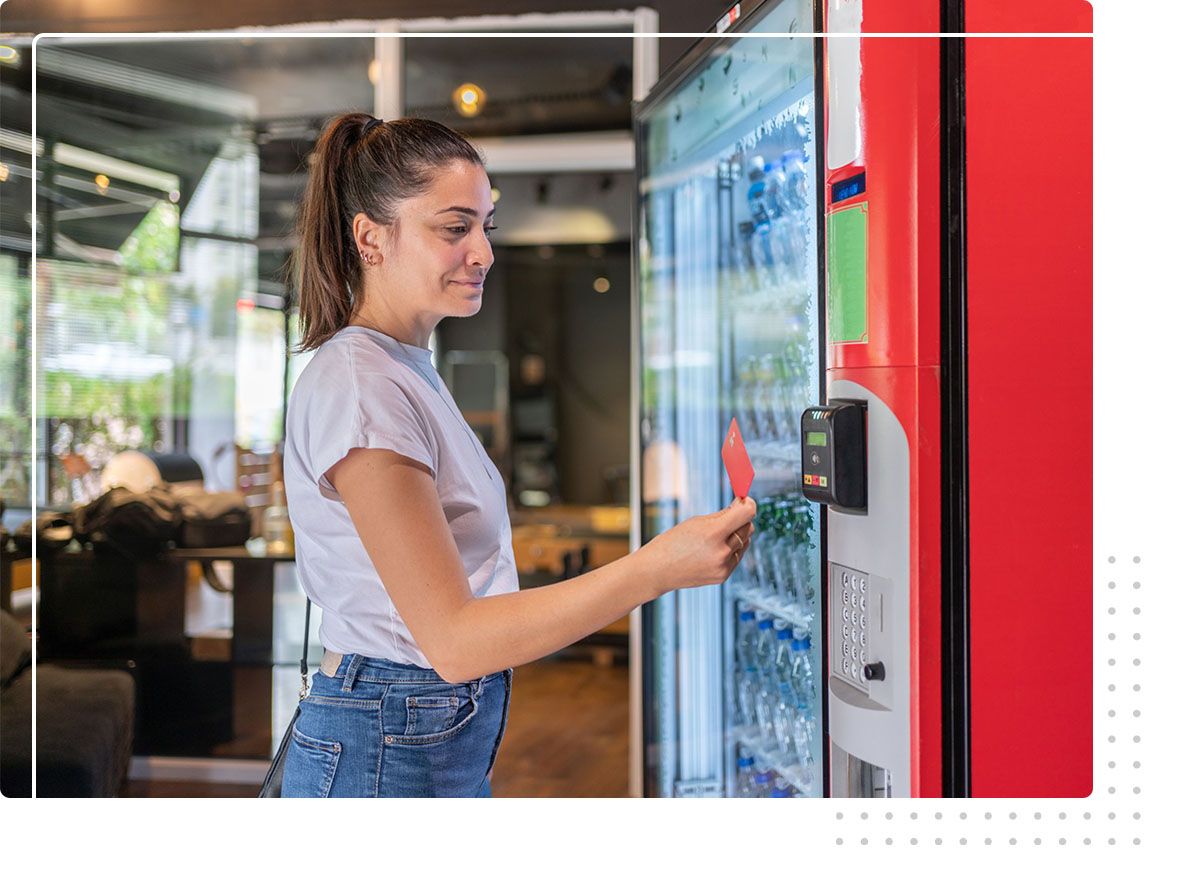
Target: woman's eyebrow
{"x": 464, "y": 210}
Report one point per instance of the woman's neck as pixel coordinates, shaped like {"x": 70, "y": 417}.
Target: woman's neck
{"x": 414, "y": 330}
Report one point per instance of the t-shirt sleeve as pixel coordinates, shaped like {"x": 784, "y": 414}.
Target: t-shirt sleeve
{"x": 362, "y": 401}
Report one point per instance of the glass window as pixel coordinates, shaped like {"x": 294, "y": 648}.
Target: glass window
{"x": 171, "y": 171}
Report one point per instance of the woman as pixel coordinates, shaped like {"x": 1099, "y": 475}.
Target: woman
{"x": 402, "y": 532}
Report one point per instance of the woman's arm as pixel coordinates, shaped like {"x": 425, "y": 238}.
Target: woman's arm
{"x": 393, "y": 503}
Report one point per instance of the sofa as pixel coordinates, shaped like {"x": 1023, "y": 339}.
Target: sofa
{"x": 85, "y": 724}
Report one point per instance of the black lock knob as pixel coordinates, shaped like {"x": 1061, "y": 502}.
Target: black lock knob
{"x": 874, "y": 672}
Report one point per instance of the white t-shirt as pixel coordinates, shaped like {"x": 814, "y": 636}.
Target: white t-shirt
{"x": 364, "y": 389}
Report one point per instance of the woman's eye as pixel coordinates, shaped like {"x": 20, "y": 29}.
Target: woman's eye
{"x": 491, "y": 227}
{"x": 458, "y": 230}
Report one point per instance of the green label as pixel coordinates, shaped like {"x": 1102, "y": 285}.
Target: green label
{"x": 847, "y": 275}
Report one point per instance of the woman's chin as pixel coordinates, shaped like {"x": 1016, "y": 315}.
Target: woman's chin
{"x": 470, "y": 305}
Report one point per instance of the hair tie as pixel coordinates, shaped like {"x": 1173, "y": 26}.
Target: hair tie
{"x": 370, "y": 124}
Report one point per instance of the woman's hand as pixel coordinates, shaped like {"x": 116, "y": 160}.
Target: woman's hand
{"x": 703, "y": 549}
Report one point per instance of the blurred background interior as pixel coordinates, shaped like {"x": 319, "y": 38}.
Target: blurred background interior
{"x": 168, "y": 170}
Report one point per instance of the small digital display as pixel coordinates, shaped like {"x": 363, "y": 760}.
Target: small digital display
{"x": 816, "y": 438}
{"x": 848, "y": 188}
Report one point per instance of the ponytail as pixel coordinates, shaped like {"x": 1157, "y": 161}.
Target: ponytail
{"x": 359, "y": 164}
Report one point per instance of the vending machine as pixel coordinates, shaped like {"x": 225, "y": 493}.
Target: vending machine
{"x": 873, "y": 251}
{"x": 728, "y": 286}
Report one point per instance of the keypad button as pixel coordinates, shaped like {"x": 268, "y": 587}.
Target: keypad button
{"x": 863, "y": 622}
{"x": 863, "y": 639}
{"x": 847, "y": 597}
{"x": 846, "y": 632}
{"x": 863, "y": 657}
{"x": 863, "y": 603}
{"x": 847, "y": 650}
{"x": 845, "y": 614}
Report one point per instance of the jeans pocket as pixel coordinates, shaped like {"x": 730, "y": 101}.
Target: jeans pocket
{"x": 434, "y": 718}
{"x": 310, "y": 766}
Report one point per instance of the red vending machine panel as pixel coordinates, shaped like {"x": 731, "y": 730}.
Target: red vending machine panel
{"x": 957, "y": 295}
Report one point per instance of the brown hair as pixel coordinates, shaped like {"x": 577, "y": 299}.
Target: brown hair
{"x": 360, "y": 164}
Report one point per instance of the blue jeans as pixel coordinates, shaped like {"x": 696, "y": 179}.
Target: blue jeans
{"x": 377, "y": 728}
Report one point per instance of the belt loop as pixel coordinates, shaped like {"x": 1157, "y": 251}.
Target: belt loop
{"x": 352, "y": 672}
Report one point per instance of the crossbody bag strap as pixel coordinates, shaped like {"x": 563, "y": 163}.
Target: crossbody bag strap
{"x": 304, "y": 655}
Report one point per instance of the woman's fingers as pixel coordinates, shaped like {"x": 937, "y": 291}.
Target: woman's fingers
{"x": 740, "y": 512}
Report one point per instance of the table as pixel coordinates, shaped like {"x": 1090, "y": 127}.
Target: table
{"x": 145, "y": 599}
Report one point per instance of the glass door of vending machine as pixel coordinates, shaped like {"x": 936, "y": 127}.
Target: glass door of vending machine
{"x": 727, "y": 259}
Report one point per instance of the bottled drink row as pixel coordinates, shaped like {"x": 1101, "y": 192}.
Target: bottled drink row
{"x": 770, "y": 392}
{"x": 777, "y": 565}
{"x": 754, "y": 782}
{"x": 772, "y": 246}
{"x": 775, "y": 687}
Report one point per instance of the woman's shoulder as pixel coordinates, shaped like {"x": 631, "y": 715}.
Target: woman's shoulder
{"x": 347, "y": 356}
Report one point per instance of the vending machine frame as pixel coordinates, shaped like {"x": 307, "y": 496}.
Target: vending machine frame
{"x": 735, "y": 19}
{"x": 974, "y": 364}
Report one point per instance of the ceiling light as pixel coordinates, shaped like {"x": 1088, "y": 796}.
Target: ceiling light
{"x": 601, "y": 285}
{"x": 3, "y": 172}
{"x": 495, "y": 194}
{"x": 101, "y": 182}
{"x": 9, "y": 56}
{"x": 469, "y": 99}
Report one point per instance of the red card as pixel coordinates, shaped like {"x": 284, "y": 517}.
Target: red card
{"x": 736, "y": 461}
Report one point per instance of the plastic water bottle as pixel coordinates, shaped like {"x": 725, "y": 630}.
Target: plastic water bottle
{"x": 784, "y": 663}
{"x": 756, "y": 193}
{"x": 804, "y": 736}
{"x": 745, "y": 785}
{"x": 765, "y": 699}
{"x": 779, "y": 220}
{"x": 787, "y": 702}
{"x": 781, "y": 790}
{"x": 746, "y": 269}
{"x": 748, "y": 684}
{"x": 746, "y": 635}
{"x": 784, "y": 551}
{"x": 762, "y": 256}
{"x": 766, "y": 649}
{"x": 762, "y": 783}
{"x": 794, "y": 200}
{"x": 802, "y": 673}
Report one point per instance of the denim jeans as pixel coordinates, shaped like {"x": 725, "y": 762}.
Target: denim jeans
{"x": 377, "y": 728}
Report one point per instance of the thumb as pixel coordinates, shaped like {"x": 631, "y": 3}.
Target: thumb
{"x": 739, "y": 512}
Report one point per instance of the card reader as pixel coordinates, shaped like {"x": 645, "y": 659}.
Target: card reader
{"x": 834, "y": 460}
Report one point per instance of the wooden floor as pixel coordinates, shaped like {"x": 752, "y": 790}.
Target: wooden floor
{"x": 567, "y": 736}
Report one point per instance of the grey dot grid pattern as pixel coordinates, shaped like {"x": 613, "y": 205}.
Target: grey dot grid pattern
{"x": 1111, "y": 817}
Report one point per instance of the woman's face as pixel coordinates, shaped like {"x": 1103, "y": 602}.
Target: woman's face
{"x": 436, "y": 255}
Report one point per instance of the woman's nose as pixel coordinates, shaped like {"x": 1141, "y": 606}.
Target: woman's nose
{"x": 483, "y": 253}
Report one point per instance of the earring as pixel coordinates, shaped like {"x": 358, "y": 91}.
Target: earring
{"x": 367, "y": 258}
